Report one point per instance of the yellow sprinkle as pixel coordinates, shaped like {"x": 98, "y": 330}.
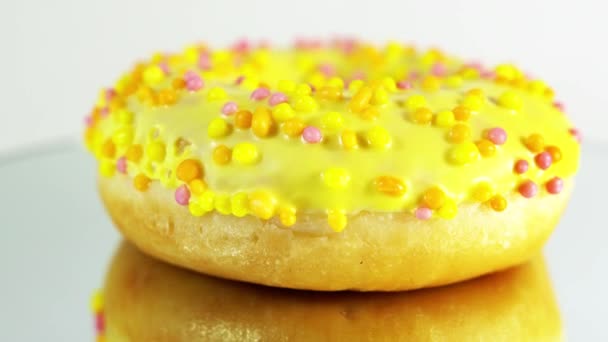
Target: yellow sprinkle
{"x": 431, "y": 83}
{"x": 380, "y": 96}
{"x": 422, "y": 116}
{"x": 245, "y": 153}
{"x": 293, "y": 127}
{"x": 448, "y": 210}
{"x": 207, "y": 200}
{"x": 303, "y": 89}
{"x": 218, "y": 128}
{"x": 473, "y": 102}
{"x": 287, "y": 215}
{"x": 355, "y": 85}
{"x": 197, "y": 187}
{"x": 332, "y": 121}
{"x": 537, "y": 87}
{"x": 191, "y": 53}
{"x": 222, "y": 204}
{"x": 134, "y": 153}
{"x": 240, "y": 204}
{"x": 361, "y": 99}
{"x": 464, "y": 153}
{"x": 414, "y": 102}
{"x": 510, "y": 100}
{"x": 444, "y": 118}
{"x": 498, "y": 203}
{"x": 483, "y": 191}
{"x": 283, "y": 112}
{"x": 459, "y": 133}
{"x": 336, "y": 178}
{"x": 123, "y": 136}
{"x": 453, "y": 81}
{"x": 535, "y": 143}
{"x": 348, "y": 139}
{"x": 335, "y": 82}
{"x": 262, "y": 204}
{"x": 156, "y": 151}
{"x": 216, "y": 94}
{"x": 389, "y": 84}
{"x": 96, "y": 303}
{"x": 287, "y": 86}
{"x": 123, "y": 117}
{"x": 304, "y": 103}
{"x": 196, "y": 209}
{"x": 153, "y": 75}
{"x": 337, "y": 220}
{"x": 370, "y": 113}
{"x": 379, "y": 137}
{"x": 262, "y": 124}
{"x": 317, "y": 80}
{"x": 507, "y": 72}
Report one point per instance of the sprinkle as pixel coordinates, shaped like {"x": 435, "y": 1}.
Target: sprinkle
{"x": 204, "y": 62}
{"x": 336, "y": 178}
{"x": 459, "y": 133}
{"x": 497, "y": 135}
{"x": 304, "y": 103}
{"x": 293, "y": 127}
{"x": 380, "y": 96}
{"x": 153, "y": 75}
{"x": 486, "y": 148}
{"x": 404, "y": 85}
{"x": 303, "y": 89}
{"x": 287, "y": 216}
{"x": 197, "y": 186}
{"x": 108, "y": 149}
{"x": 260, "y": 94}
{"x": 218, "y": 128}
{"x": 182, "y": 195}
{"x": 141, "y": 182}
{"x": 222, "y": 155}
{"x": 431, "y": 83}
{"x": 448, "y": 210}
{"x": 555, "y": 152}
{"x": 464, "y": 153}
{"x": 473, "y": 101}
{"x": 277, "y": 98}
{"x": 196, "y": 208}
{"x": 422, "y": 116}
{"x": 414, "y": 102}
{"x": 543, "y": 160}
{"x": 337, "y": 220}
{"x": 329, "y": 93}
{"x": 555, "y": 185}
{"x": 156, "y": 151}
{"x": 121, "y": 165}
{"x": 462, "y": 113}
{"x": 361, "y": 99}
{"x": 134, "y": 153}
{"x": 189, "y": 170}
{"x": 195, "y": 83}
{"x": 96, "y": 303}
{"x": 379, "y": 137}
{"x": 433, "y": 198}
{"x": 438, "y": 69}
{"x": 444, "y": 118}
{"x": 348, "y": 139}
{"x": 521, "y": 166}
{"x": 370, "y": 113}
{"x": 576, "y": 134}
{"x": 355, "y": 85}
{"x": 498, "y": 203}
{"x": 559, "y": 106}
{"x": 243, "y": 119}
{"x": 391, "y": 186}
{"x": 283, "y": 112}
{"x": 262, "y": 123}
{"x": 312, "y": 135}
{"x": 229, "y": 108}
{"x": 262, "y": 204}
{"x": 239, "y": 203}
{"x": 528, "y": 189}
{"x": 222, "y": 204}
{"x": 100, "y": 324}
{"x": 423, "y": 214}
{"x": 245, "y": 154}
{"x": 207, "y": 201}
{"x": 482, "y": 192}
{"x": 510, "y": 100}
{"x": 535, "y": 143}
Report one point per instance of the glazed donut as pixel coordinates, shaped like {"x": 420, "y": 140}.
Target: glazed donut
{"x": 333, "y": 166}
{"x": 146, "y": 300}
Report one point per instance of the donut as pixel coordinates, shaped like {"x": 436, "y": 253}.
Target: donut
{"x": 147, "y": 300}
{"x": 333, "y": 165}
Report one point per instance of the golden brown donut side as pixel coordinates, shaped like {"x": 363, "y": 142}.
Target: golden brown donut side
{"x": 146, "y": 300}
{"x": 379, "y": 251}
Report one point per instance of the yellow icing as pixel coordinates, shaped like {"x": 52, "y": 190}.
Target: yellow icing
{"x": 370, "y": 129}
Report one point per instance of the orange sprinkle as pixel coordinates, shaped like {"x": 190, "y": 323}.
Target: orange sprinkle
{"x": 189, "y": 170}
{"x": 167, "y": 97}
{"x": 433, "y": 198}
{"x": 293, "y": 127}
{"x": 459, "y": 133}
{"x": 134, "y": 153}
{"x": 422, "y": 116}
{"x": 242, "y": 119}
{"x": 462, "y": 113}
{"x": 141, "y": 182}
{"x": 535, "y": 143}
{"x": 329, "y": 93}
{"x": 222, "y": 155}
{"x": 498, "y": 203}
{"x": 108, "y": 149}
{"x": 178, "y": 84}
{"x": 475, "y": 92}
{"x": 261, "y": 123}
{"x": 389, "y": 185}
{"x": 486, "y": 148}
{"x": 555, "y": 152}
{"x": 361, "y": 99}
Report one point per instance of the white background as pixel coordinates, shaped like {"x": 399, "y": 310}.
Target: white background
{"x": 56, "y": 55}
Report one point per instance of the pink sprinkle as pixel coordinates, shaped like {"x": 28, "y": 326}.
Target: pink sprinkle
{"x": 188, "y": 75}
{"x": 438, "y": 69}
{"x": 576, "y": 134}
{"x": 239, "y": 80}
{"x": 423, "y": 213}
{"x": 487, "y": 74}
{"x": 528, "y": 189}
{"x": 204, "y": 62}
{"x": 104, "y": 111}
{"x": 414, "y": 75}
{"x": 327, "y": 69}
{"x": 521, "y": 166}
{"x": 229, "y": 108}
{"x": 555, "y": 185}
{"x": 121, "y": 165}
{"x": 312, "y": 135}
{"x": 260, "y": 94}
{"x": 110, "y": 93}
{"x": 404, "y": 85}
{"x": 358, "y": 75}
{"x": 560, "y": 106}
{"x": 182, "y": 195}
{"x": 277, "y": 98}
{"x": 497, "y": 135}
{"x": 195, "y": 83}
{"x": 88, "y": 121}
{"x": 100, "y": 323}
{"x": 241, "y": 46}
{"x": 543, "y": 160}
{"x": 164, "y": 66}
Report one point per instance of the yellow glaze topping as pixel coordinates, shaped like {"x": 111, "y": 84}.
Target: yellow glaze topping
{"x": 335, "y": 128}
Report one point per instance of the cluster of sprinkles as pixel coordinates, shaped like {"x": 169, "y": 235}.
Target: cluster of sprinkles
{"x": 96, "y": 306}
{"x": 345, "y": 97}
